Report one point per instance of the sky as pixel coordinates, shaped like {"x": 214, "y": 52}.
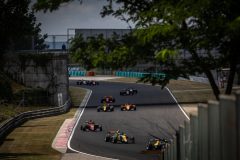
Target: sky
{"x": 76, "y": 15}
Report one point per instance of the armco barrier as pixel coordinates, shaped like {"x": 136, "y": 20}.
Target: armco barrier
{"x": 9, "y": 125}
{"x": 211, "y": 134}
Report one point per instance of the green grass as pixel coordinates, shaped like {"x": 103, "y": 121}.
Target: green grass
{"x": 184, "y": 91}
{"x": 33, "y": 139}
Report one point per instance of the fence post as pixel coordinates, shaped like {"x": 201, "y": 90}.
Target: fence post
{"x": 182, "y": 140}
{"x": 194, "y": 136}
{"x": 187, "y": 140}
{"x": 174, "y": 148}
{"x": 167, "y": 157}
{"x": 238, "y": 122}
{"x": 213, "y": 130}
{"x": 203, "y": 131}
{"x": 228, "y": 127}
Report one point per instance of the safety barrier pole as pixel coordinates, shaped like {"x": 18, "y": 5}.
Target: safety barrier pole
{"x": 228, "y": 130}
{"x": 203, "y": 131}
{"x": 174, "y": 147}
{"x": 238, "y": 122}
{"x": 182, "y": 140}
{"x": 171, "y": 150}
{"x": 213, "y": 130}
{"x": 187, "y": 139}
{"x": 194, "y": 136}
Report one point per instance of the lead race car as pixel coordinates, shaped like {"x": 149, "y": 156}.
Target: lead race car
{"x": 128, "y": 91}
{"x": 105, "y": 107}
{"x": 91, "y": 126}
{"x": 128, "y": 107}
{"x": 87, "y": 82}
{"x": 118, "y": 137}
{"x": 107, "y": 99}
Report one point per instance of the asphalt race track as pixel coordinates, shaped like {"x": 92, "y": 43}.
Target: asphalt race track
{"x": 157, "y": 115}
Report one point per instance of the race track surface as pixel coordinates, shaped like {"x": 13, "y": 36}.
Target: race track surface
{"x": 157, "y": 115}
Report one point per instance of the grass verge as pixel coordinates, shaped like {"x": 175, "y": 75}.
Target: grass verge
{"x": 33, "y": 139}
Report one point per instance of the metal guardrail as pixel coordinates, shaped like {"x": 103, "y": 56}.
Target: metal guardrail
{"x": 7, "y": 126}
{"x": 211, "y": 134}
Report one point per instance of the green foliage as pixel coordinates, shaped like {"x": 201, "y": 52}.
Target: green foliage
{"x": 207, "y": 30}
{"x": 18, "y": 26}
{"x": 50, "y": 5}
{"x": 112, "y": 53}
{"x": 165, "y": 54}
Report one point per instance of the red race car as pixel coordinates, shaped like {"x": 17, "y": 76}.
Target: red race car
{"x": 108, "y": 99}
{"x": 91, "y": 126}
{"x": 128, "y": 107}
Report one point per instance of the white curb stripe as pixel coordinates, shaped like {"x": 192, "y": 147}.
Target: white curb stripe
{"x": 79, "y": 117}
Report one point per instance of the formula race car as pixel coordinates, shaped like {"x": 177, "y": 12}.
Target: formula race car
{"x": 128, "y": 107}
{"x": 118, "y": 137}
{"x": 105, "y": 108}
{"x": 128, "y": 91}
{"x": 157, "y": 144}
{"x": 91, "y": 126}
{"x": 86, "y": 82}
{"x": 108, "y": 99}
{"x": 93, "y": 83}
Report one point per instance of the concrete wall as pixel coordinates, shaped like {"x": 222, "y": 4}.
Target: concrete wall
{"x": 50, "y": 74}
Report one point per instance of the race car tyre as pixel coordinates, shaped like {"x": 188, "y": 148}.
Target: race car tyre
{"x": 107, "y": 139}
{"x": 84, "y": 128}
{"x": 100, "y": 128}
{"x": 114, "y": 140}
{"x": 81, "y": 127}
{"x": 135, "y": 109}
{"x": 133, "y": 140}
{"x": 149, "y": 147}
{"x": 98, "y": 110}
{"x": 121, "y": 109}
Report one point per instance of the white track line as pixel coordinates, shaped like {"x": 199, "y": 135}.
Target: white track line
{"x": 79, "y": 117}
{"x": 178, "y": 104}
{"x": 168, "y": 91}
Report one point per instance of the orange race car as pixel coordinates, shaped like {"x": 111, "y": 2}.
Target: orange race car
{"x": 128, "y": 107}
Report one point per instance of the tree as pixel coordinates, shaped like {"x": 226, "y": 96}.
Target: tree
{"x": 208, "y": 31}
{"x": 18, "y": 24}
{"x": 111, "y": 53}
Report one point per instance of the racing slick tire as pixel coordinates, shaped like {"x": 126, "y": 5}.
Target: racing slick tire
{"x": 132, "y": 139}
{"x": 107, "y": 139}
{"x": 100, "y": 128}
{"x": 114, "y": 140}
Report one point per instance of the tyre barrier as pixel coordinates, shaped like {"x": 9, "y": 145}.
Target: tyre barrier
{"x": 138, "y": 74}
{"x": 76, "y": 73}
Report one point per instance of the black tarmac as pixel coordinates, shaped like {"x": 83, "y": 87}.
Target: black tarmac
{"x": 157, "y": 115}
